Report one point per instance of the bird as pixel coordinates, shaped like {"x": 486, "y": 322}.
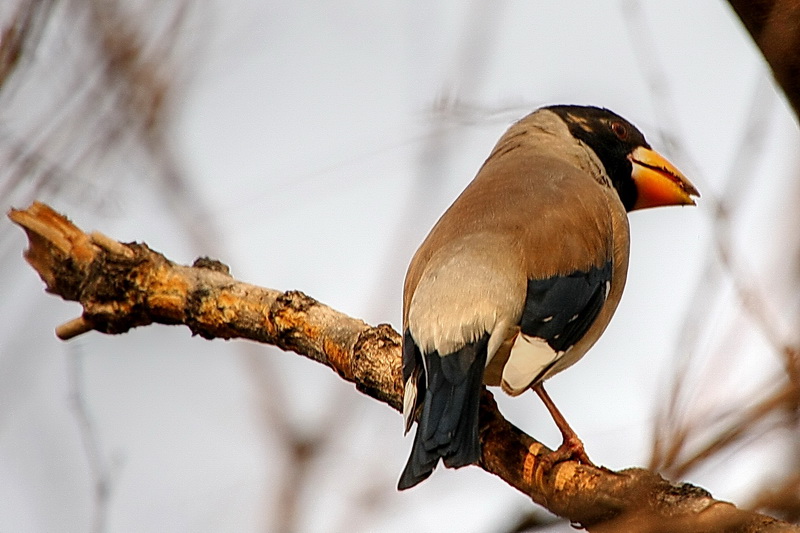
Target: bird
{"x": 522, "y": 273}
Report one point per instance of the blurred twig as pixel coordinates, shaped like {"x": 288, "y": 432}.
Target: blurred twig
{"x": 469, "y": 64}
{"x": 110, "y": 74}
{"x": 673, "y": 431}
{"x": 22, "y": 31}
{"x": 100, "y": 472}
{"x": 780, "y": 499}
{"x": 686, "y": 437}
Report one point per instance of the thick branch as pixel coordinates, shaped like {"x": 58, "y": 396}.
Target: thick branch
{"x": 121, "y": 286}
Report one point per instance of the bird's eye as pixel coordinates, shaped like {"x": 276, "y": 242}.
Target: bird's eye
{"x": 619, "y": 130}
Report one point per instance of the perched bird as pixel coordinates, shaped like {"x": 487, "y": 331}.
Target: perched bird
{"x": 521, "y": 275}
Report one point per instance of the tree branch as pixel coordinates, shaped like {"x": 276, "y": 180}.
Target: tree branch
{"x": 125, "y": 285}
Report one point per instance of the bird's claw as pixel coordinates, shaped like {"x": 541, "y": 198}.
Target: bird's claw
{"x": 571, "y": 449}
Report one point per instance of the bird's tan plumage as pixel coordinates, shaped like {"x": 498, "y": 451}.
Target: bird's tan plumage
{"x": 541, "y": 205}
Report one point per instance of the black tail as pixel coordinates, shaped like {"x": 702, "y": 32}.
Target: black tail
{"x": 448, "y": 424}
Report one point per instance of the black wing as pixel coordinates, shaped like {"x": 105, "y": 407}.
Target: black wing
{"x": 561, "y": 309}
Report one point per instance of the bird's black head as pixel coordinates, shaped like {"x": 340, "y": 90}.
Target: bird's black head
{"x": 612, "y": 138}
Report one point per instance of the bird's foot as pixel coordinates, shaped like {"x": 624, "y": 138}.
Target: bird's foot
{"x": 571, "y": 449}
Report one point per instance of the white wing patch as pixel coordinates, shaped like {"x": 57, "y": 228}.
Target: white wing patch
{"x": 529, "y": 357}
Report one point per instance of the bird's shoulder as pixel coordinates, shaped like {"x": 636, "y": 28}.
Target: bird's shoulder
{"x": 559, "y": 215}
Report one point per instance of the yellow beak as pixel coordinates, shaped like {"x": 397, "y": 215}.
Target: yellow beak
{"x": 658, "y": 182}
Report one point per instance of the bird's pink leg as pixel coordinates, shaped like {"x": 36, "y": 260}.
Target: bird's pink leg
{"x": 571, "y": 447}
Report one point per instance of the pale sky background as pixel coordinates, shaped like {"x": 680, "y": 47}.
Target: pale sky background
{"x": 317, "y": 136}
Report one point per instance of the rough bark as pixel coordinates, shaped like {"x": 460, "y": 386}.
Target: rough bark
{"x": 125, "y": 285}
